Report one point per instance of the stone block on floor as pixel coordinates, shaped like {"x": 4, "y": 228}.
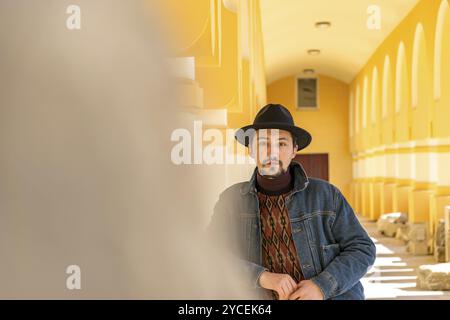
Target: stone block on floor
{"x": 417, "y": 248}
{"x": 418, "y": 238}
{"x": 388, "y": 223}
{"x": 402, "y": 233}
{"x": 434, "y": 277}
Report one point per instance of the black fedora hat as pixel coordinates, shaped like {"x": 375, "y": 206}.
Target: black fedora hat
{"x": 274, "y": 116}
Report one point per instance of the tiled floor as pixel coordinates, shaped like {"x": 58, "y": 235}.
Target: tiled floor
{"x": 394, "y": 274}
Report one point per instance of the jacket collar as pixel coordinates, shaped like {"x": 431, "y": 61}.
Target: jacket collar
{"x": 301, "y": 180}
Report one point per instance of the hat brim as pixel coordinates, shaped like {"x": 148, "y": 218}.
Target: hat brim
{"x": 243, "y": 135}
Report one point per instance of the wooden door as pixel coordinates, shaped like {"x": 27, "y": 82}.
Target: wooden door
{"x": 315, "y": 165}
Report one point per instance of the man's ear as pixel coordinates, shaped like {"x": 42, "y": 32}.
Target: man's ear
{"x": 295, "y": 151}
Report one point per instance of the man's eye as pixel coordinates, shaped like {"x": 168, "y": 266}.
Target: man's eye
{"x": 283, "y": 144}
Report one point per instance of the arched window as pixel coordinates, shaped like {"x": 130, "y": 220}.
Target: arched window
{"x": 420, "y": 81}
{"x": 401, "y": 78}
{"x": 351, "y": 113}
{"x": 357, "y": 106}
{"x": 375, "y": 96}
{"x": 443, "y": 11}
{"x": 387, "y": 86}
{"x": 365, "y": 96}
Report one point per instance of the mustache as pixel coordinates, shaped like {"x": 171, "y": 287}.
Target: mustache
{"x": 266, "y": 161}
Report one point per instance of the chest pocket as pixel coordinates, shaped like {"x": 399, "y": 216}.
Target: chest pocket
{"x": 317, "y": 227}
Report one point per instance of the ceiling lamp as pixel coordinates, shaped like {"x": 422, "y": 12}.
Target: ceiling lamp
{"x": 323, "y": 24}
{"x": 313, "y": 52}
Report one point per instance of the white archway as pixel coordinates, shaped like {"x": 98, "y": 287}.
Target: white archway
{"x": 386, "y": 85}
{"x": 418, "y": 37}
{"x": 375, "y": 96}
{"x": 400, "y": 77}
{"x": 351, "y": 113}
{"x": 357, "y": 106}
{"x": 364, "y": 106}
{"x": 438, "y": 47}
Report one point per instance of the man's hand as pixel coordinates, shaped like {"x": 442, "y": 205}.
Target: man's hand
{"x": 283, "y": 284}
{"x": 306, "y": 290}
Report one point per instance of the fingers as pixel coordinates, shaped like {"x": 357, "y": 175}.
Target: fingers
{"x": 283, "y": 291}
{"x": 290, "y": 286}
{"x": 287, "y": 285}
{"x": 293, "y": 284}
{"x": 282, "y": 297}
{"x": 297, "y": 295}
{"x": 301, "y": 292}
{"x": 307, "y": 290}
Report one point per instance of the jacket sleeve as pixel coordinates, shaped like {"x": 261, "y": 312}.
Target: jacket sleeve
{"x": 223, "y": 233}
{"x": 357, "y": 252}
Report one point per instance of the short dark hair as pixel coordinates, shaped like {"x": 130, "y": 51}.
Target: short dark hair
{"x": 294, "y": 140}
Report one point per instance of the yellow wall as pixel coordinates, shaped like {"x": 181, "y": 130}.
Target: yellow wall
{"x": 328, "y": 125}
{"x": 406, "y": 151}
{"x": 226, "y": 42}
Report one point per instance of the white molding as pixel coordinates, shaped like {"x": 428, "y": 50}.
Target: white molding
{"x": 406, "y": 145}
{"x": 190, "y": 95}
{"x": 434, "y": 142}
{"x": 424, "y": 167}
{"x": 210, "y": 117}
{"x": 182, "y": 67}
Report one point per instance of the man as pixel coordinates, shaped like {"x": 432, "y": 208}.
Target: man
{"x": 296, "y": 237}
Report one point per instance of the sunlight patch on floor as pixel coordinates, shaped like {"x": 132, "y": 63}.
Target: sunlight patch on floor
{"x": 394, "y": 273}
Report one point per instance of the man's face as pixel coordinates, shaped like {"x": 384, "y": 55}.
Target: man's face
{"x": 273, "y": 151}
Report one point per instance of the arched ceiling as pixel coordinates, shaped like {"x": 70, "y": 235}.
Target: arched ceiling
{"x": 289, "y": 31}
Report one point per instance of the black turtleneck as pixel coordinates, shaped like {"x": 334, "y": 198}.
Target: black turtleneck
{"x": 275, "y": 186}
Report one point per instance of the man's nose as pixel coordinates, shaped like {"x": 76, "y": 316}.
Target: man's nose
{"x": 272, "y": 151}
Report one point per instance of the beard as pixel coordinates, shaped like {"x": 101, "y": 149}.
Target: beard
{"x": 272, "y": 171}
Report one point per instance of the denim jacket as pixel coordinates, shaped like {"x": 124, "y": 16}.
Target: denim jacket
{"x": 335, "y": 251}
